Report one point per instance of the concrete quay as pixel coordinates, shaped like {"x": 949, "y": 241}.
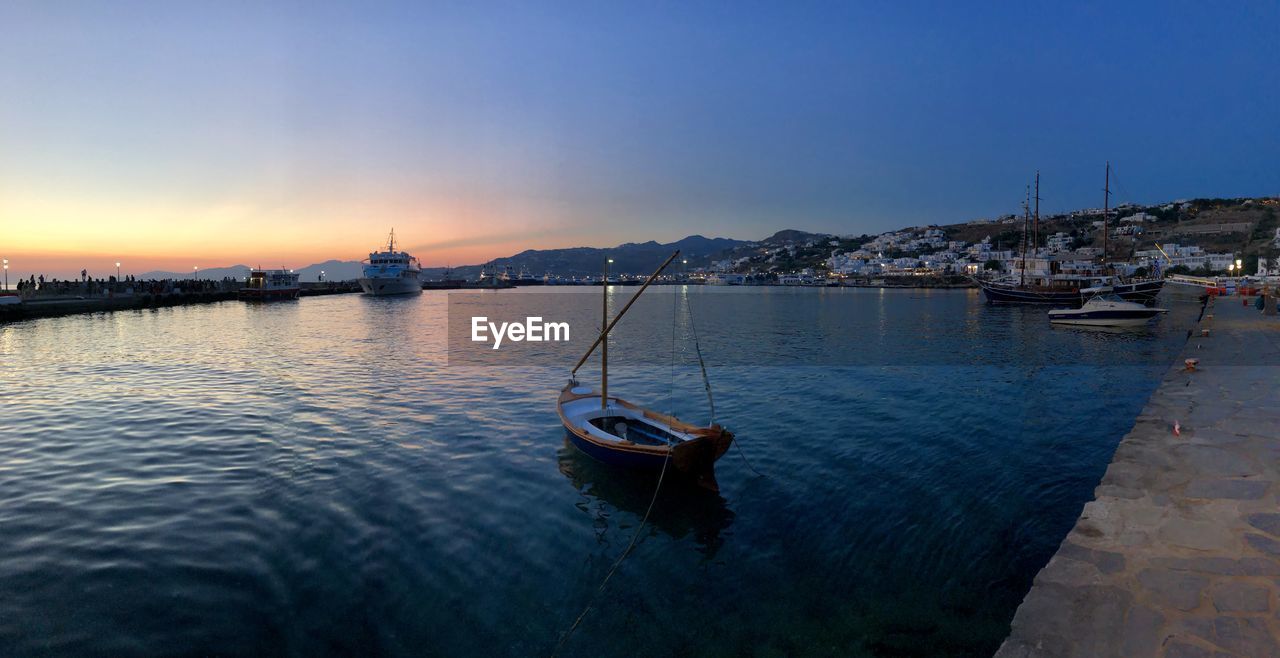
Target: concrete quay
{"x": 55, "y": 306}
{"x": 1178, "y": 555}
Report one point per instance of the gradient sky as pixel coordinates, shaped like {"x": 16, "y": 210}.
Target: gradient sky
{"x": 172, "y": 134}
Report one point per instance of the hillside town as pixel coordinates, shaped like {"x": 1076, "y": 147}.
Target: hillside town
{"x": 1206, "y": 237}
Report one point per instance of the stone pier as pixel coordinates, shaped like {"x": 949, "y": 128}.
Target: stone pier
{"x": 1178, "y": 555}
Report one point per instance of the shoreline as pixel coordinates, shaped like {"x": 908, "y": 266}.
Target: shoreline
{"x": 62, "y": 305}
{"x": 1178, "y": 554}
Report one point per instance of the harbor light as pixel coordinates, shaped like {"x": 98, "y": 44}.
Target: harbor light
{"x": 6, "y": 274}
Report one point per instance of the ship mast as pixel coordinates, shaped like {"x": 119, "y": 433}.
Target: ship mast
{"x": 1026, "y": 218}
{"x": 1035, "y": 240}
{"x": 1106, "y": 210}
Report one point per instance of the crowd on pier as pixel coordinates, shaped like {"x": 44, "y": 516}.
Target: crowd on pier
{"x": 86, "y": 286}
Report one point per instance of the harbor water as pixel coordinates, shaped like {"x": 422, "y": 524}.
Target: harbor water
{"x": 315, "y": 477}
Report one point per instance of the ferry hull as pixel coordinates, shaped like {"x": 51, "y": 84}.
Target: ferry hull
{"x": 379, "y": 287}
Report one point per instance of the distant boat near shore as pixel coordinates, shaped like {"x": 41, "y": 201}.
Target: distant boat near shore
{"x": 1105, "y": 309}
{"x": 269, "y": 285}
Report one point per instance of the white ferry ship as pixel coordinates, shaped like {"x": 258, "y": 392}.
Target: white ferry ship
{"x": 391, "y": 272}
{"x": 265, "y": 285}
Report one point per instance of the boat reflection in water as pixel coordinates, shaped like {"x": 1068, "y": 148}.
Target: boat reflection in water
{"x": 682, "y": 509}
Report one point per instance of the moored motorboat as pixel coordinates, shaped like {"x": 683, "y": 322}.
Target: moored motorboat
{"x": 1105, "y": 309}
{"x": 614, "y": 431}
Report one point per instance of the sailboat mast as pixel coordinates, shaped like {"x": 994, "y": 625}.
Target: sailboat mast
{"x": 1022, "y": 281}
{"x": 1106, "y": 210}
{"x": 1035, "y": 240}
{"x": 604, "y": 333}
{"x": 609, "y": 327}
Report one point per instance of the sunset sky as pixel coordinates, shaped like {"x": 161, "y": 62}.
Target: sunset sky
{"x": 168, "y": 135}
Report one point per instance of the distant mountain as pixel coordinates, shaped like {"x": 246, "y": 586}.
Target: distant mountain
{"x": 234, "y": 271}
{"x": 628, "y": 258}
{"x": 334, "y": 270}
{"x": 631, "y": 257}
{"x": 791, "y": 236}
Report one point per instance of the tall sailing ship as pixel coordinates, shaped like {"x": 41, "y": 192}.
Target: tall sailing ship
{"x": 1044, "y": 281}
{"x": 391, "y": 272}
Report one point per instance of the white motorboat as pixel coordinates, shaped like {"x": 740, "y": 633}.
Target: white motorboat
{"x": 1105, "y": 309}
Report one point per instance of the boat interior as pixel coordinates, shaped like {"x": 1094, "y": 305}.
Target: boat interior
{"x": 628, "y": 429}
{"x": 620, "y": 423}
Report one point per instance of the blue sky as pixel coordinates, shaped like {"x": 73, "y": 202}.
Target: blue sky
{"x": 479, "y": 127}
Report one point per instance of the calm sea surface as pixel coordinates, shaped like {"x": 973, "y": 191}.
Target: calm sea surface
{"x": 313, "y": 477}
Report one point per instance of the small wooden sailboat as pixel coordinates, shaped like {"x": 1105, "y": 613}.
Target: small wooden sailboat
{"x": 615, "y": 431}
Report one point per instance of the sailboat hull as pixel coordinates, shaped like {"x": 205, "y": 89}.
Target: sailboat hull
{"x": 626, "y": 435}
{"x": 1143, "y": 292}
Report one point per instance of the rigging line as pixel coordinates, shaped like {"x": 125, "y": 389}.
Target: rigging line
{"x": 600, "y": 590}
{"x": 743, "y": 455}
{"x": 671, "y": 387}
{"x": 706, "y": 382}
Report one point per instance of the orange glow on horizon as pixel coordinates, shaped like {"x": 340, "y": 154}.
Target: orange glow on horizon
{"x": 59, "y": 238}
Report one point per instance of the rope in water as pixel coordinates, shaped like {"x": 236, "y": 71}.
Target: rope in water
{"x": 706, "y": 383}
{"x": 600, "y": 590}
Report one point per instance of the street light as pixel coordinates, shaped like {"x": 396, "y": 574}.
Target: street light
{"x": 1240, "y": 267}
{"x": 6, "y": 274}
{"x": 196, "y": 270}
{"x": 322, "y": 276}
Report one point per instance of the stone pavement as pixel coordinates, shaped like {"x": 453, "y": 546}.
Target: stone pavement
{"x": 1178, "y": 555}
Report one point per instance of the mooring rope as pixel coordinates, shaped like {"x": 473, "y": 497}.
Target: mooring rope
{"x": 697, "y": 347}
{"x": 671, "y": 387}
{"x": 634, "y": 538}
{"x": 706, "y": 383}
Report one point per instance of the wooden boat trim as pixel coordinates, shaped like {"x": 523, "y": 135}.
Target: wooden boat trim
{"x": 696, "y": 431}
